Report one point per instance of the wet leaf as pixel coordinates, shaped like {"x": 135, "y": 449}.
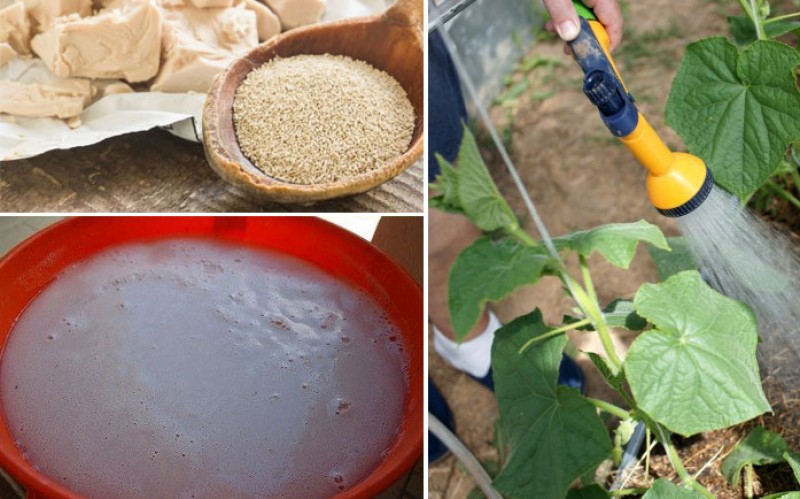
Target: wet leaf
{"x": 696, "y": 370}
{"x": 555, "y": 435}
{"x": 737, "y": 110}
{"x": 616, "y": 242}
{"x": 759, "y": 447}
{"x": 488, "y": 271}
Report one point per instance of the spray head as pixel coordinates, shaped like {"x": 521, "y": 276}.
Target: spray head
{"x": 677, "y": 182}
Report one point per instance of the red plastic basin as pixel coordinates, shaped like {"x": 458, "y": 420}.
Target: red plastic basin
{"x": 28, "y": 268}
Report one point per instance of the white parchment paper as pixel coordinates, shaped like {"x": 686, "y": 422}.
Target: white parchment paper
{"x": 127, "y": 113}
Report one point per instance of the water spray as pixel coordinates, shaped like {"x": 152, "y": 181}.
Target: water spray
{"x": 739, "y": 254}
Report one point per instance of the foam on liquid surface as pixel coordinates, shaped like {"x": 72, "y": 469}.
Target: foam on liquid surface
{"x": 188, "y": 368}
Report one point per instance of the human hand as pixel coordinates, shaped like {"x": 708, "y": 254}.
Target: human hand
{"x": 564, "y": 19}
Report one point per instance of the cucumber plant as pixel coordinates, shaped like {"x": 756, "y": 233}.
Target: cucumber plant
{"x": 691, "y": 369}
{"x": 760, "y": 447}
{"x": 736, "y": 103}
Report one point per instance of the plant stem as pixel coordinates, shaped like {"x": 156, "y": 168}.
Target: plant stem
{"x": 593, "y": 312}
{"x": 555, "y": 332}
{"x": 783, "y": 193}
{"x": 675, "y": 459}
{"x": 587, "y": 279}
{"x": 522, "y": 236}
{"x": 755, "y": 17}
{"x": 609, "y": 408}
{"x": 781, "y": 18}
{"x": 757, "y": 21}
{"x": 748, "y": 481}
{"x": 746, "y": 8}
{"x": 794, "y": 168}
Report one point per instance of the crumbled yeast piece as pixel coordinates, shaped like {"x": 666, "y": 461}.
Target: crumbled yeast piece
{"x": 104, "y": 88}
{"x": 28, "y": 88}
{"x": 267, "y": 22}
{"x": 123, "y": 41}
{"x": 42, "y": 12}
{"x": 200, "y": 43}
{"x": 6, "y": 54}
{"x": 296, "y": 13}
{"x": 200, "y": 4}
{"x": 15, "y": 29}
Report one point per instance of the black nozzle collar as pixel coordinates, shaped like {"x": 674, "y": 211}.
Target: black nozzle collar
{"x": 692, "y": 204}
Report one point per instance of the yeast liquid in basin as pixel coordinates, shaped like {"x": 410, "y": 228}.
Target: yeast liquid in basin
{"x": 189, "y": 368}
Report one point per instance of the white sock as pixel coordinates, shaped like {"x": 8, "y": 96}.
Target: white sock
{"x": 473, "y": 356}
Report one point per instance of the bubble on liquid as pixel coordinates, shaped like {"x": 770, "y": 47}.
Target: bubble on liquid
{"x": 340, "y": 406}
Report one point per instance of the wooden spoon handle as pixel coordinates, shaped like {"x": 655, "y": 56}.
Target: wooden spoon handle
{"x": 407, "y": 12}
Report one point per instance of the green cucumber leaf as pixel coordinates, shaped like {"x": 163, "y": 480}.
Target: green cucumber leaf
{"x": 664, "y": 489}
{"x": 479, "y": 197}
{"x": 794, "y": 462}
{"x": 616, "y": 242}
{"x": 593, "y": 491}
{"x": 670, "y": 263}
{"x": 759, "y": 447}
{"x": 738, "y": 111}
{"x": 783, "y": 495}
{"x": 555, "y": 435}
{"x": 447, "y": 184}
{"x": 621, "y": 313}
{"x": 488, "y": 271}
{"x": 696, "y": 370}
{"x": 744, "y": 32}
{"x": 469, "y": 189}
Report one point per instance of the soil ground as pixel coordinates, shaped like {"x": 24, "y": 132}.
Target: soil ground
{"x": 579, "y": 177}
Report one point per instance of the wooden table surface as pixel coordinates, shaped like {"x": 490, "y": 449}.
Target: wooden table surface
{"x": 155, "y": 171}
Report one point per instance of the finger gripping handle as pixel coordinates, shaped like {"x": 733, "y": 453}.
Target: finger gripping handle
{"x": 602, "y": 84}
{"x": 588, "y": 52}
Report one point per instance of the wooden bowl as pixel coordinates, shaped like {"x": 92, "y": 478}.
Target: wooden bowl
{"x": 391, "y": 41}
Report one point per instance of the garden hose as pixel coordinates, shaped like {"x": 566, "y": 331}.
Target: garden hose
{"x": 677, "y": 183}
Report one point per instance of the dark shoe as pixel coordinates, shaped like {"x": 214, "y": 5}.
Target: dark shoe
{"x": 439, "y": 408}
{"x": 569, "y": 374}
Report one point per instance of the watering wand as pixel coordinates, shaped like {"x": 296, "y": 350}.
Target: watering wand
{"x": 677, "y": 183}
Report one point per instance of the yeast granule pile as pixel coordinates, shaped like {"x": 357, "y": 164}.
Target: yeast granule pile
{"x": 313, "y": 119}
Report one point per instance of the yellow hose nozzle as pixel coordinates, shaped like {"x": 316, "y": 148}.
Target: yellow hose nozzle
{"x": 677, "y": 182}
{"x": 674, "y": 178}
